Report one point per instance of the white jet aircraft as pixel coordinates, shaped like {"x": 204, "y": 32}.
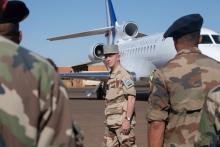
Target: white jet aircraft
{"x": 140, "y": 53}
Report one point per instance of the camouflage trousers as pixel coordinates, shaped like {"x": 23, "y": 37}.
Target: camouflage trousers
{"x": 114, "y": 138}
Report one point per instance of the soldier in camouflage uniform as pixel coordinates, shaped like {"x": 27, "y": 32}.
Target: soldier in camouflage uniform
{"x": 14, "y": 13}
{"x": 34, "y": 107}
{"x": 120, "y": 100}
{"x": 183, "y": 92}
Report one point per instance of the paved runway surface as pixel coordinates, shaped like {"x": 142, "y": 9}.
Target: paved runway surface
{"x": 89, "y": 114}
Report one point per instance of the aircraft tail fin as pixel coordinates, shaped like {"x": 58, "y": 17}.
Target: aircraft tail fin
{"x": 111, "y": 17}
{"x": 111, "y": 21}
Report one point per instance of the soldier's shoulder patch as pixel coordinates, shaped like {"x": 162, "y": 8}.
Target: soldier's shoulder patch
{"x": 128, "y": 83}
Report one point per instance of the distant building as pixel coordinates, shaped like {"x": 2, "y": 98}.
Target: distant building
{"x": 79, "y": 83}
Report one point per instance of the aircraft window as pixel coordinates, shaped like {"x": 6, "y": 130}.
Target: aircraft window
{"x": 206, "y": 39}
{"x": 216, "y": 38}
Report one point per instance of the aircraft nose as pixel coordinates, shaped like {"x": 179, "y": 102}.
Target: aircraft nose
{"x": 215, "y": 52}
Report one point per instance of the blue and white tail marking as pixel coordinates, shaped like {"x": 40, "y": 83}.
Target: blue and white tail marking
{"x": 111, "y": 21}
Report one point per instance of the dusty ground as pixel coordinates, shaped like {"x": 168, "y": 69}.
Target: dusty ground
{"x": 90, "y": 116}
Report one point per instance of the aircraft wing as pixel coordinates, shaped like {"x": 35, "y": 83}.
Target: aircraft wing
{"x": 90, "y": 75}
{"x": 87, "y": 75}
{"x": 83, "y": 34}
{"x": 86, "y": 63}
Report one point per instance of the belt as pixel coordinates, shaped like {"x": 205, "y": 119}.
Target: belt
{"x": 185, "y": 112}
{"x": 116, "y": 100}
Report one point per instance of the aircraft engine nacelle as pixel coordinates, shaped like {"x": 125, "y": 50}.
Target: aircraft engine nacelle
{"x": 128, "y": 30}
{"x": 97, "y": 52}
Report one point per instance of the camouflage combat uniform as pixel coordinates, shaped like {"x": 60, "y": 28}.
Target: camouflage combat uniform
{"x": 34, "y": 107}
{"x": 119, "y": 86}
{"x": 179, "y": 93}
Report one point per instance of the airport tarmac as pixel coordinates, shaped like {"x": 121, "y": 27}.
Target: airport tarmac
{"x": 89, "y": 114}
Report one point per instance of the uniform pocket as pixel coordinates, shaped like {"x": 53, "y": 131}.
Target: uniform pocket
{"x": 113, "y": 115}
{"x": 114, "y": 120}
{"x": 111, "y": 111}
{"x": 113, "y": 93}
{"x": 114, "y": 109}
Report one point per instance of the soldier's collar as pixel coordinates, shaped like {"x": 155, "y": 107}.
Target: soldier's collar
{"x": 116, "y": 70}
{"x": 186, "y": 51}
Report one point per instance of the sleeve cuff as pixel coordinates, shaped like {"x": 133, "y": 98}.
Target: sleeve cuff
{"x": 157, "y": 115}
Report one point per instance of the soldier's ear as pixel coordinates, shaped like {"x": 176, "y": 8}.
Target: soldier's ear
{"x": 3, "y": 4}
{"x": 200, "y": 39}
{"x": 175, "y": 42}
{"x": 118, "y": 57}
{"x": 19, "y": 37}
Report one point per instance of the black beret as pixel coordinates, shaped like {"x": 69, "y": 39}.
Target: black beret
{"x": 14, "y": 12}
{"x": 184, "y": 25}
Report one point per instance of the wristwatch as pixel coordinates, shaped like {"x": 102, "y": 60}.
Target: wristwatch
{"x": 128, "y": 118}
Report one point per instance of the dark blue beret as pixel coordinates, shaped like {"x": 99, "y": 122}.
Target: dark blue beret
{"x": 184, "y": 25}
{"x": 14, "y": 12}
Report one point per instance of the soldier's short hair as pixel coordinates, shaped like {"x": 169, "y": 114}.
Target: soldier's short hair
{"x": 192, "y": 37}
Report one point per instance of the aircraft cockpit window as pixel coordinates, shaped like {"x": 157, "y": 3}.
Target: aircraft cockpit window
{"x": 206, "y": 39}
{"x": 216, "y": 38}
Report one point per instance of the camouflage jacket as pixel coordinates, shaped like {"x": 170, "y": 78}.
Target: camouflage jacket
{"x": 34, "y": 107}
{"x": 179, "y": 93}
{"x": 119, "y": 86}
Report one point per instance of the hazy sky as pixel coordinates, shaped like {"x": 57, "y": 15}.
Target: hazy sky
{"x": 49, "y": 18}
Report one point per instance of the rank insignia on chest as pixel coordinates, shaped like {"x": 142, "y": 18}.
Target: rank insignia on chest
{"x": 128, "y": 83}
